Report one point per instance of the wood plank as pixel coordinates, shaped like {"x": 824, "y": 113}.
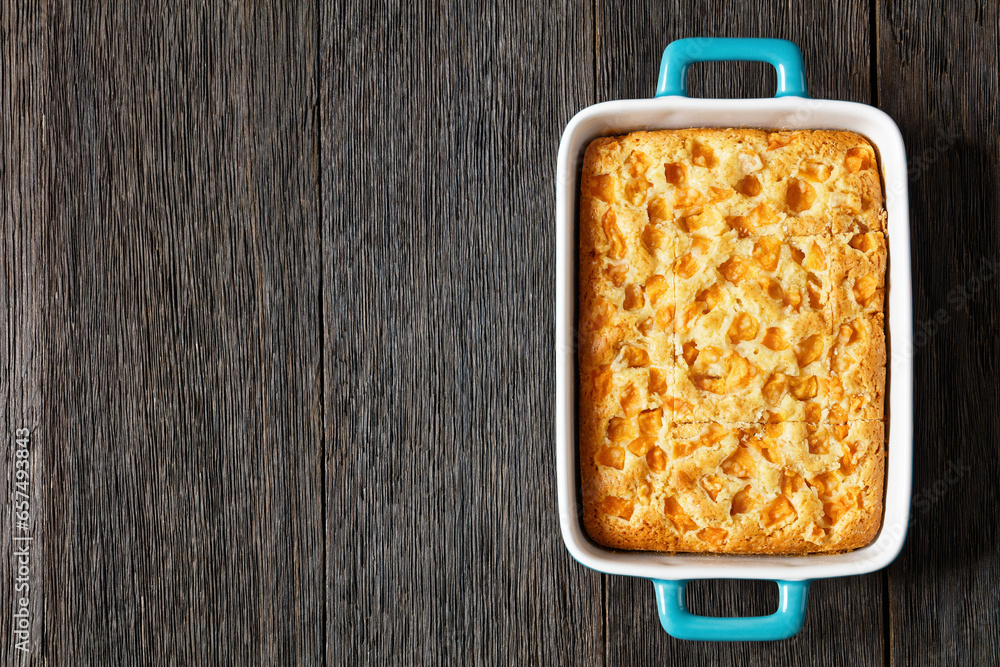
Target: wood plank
{"x": 938, "y": 78}
{"x": 440, "y": 129}
{"x": 845, "y": 617}
{"x": 23, "y": 353}
{"x": 843, "y": 624}
{"x": 631, "y": 41}
{"x": 180, "y": 429}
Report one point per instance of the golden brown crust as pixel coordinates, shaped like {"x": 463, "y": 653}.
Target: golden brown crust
{"x": 745, "y": 488}
{"x": 858, "y": 275}
{"x": 732, "y": 342}
{"x": 751, "y": 329}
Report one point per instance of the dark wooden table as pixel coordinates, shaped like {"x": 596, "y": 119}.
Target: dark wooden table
{"x": 277, "y": 311}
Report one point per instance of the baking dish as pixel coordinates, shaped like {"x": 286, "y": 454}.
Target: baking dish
{"x": 791, "y": 108}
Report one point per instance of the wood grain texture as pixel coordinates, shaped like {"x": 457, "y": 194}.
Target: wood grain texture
{"x": 845, "y": 618}
{"x": 180, "y": 429}
{"x": 631, "y": 41}
{"x": 938, "y": 78}
{"x": 23, "y": 288}
{"x": 276, "y": 301}
{"x": 440, "y": 129}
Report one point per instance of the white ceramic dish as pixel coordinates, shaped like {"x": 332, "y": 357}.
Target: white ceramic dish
{"x": 786, "y": 111}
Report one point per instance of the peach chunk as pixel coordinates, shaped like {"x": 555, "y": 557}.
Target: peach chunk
{"x": 780, "y": 509}
{"x": 749, "y": 186}
{"x": 677, "y": 516}
{"x": 800, "y": 195}
{"x": 618, "y": 507}
{"x": 702, "y": 155}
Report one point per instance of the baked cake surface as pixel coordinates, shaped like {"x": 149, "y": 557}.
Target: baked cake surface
{"x": 732, "y": 346}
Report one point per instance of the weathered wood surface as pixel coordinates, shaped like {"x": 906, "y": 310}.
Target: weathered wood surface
{"x": 277, "y": 305}
{"x": 938, "y": 78}
{"x": 172, "y": 192}
{"x": 24, "y": 206}
{"x": 440, "y": 129}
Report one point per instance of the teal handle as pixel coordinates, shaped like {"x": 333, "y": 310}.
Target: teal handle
{"x": 682, "y": 624}
{"x": 680, "y": 54}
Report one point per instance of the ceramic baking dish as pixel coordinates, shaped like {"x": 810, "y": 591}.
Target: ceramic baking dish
{"x": 791, "y": 108}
